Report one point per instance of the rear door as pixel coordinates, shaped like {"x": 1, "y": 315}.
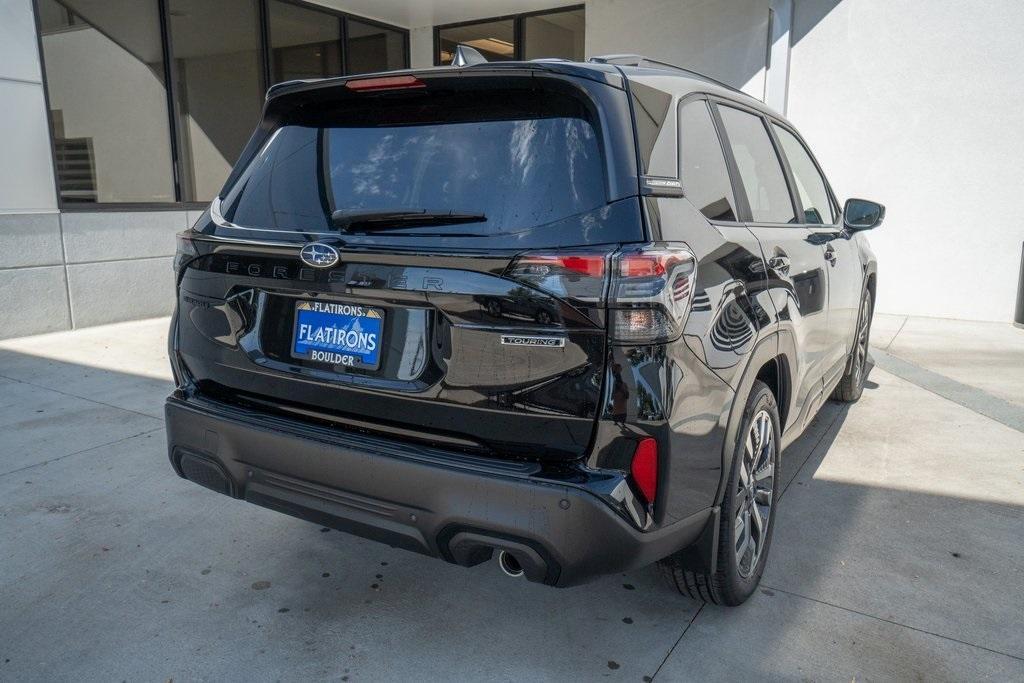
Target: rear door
{"x": 794, "y": 254}
{"x": 472, "y": 218}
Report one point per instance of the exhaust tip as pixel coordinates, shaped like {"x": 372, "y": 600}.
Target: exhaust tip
{"x": 509, "y": 564}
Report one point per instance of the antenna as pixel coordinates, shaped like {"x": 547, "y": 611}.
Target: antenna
{"x": 467, "y": 56}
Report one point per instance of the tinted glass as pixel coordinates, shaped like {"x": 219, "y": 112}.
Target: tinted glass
{"x": 220, "y": 89}
{"x": 759, "y": 166}
{"x": 537, "y": 171}
{"x": 304, "y": 43}
{"x": 495, "y": 40}
{"x": 809, "y": 183}
{"x": 558, "y": 34}
{"x": 703, "y": 171}
{"x": 373, "y": 48}
{"x": 108, "y": 101}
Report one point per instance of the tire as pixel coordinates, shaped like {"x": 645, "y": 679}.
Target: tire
{"x": 737, "y": 574}
{"x": 851, "y": 386}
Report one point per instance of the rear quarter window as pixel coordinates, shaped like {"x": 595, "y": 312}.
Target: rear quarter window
{"x": 704, "y": 174}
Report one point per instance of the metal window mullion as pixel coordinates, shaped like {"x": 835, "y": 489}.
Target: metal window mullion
{"x": 343, "y": 32}
{"x": 518, "y": 49}
{"x": 171, "y": 93}
{"x": 263, "y": 42}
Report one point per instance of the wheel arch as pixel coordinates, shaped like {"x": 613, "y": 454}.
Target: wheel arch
{"x": 774, "y": 369}
{"x": 767, "y": 361}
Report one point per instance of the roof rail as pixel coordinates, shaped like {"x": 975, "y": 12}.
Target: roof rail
{"x": 627, "y": 59}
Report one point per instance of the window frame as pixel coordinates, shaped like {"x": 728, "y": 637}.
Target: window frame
{"x": 767, "y": 120}
{"x": 833, "y": 202}
{"x": 518, "y": 33}
{"x": 739, "y": 199}
{"x": 263, "y": 50}
{"x": 345, "y": 17}
{"x": 266, "y": 35}
{"x": 742, "y": 201}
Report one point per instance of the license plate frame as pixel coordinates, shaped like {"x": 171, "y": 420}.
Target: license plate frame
{"x": 329, "y": 348}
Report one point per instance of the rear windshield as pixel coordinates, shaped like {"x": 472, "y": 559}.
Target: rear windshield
{"x": 526, "y": 165}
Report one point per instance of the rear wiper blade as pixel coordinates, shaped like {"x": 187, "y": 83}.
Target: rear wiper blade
{"x": 363, "y": 220}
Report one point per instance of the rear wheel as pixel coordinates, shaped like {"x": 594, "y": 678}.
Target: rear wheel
{"x": 851, "y": 386}
{"x": 747, "y": 517}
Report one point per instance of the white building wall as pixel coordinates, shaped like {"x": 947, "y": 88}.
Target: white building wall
{"x": 918, "y": 106}
{"x": 725, "y": 40}
{"x": 33, "y": 280}
{"x": 26, "y": 174}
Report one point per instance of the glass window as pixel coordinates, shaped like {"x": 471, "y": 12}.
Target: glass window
{"x": 759, "y": 166}
{"x": 373, "y": 48}
{"x": 809, "y": 183}
{"x": 219, "y": 88}
{"x": 108, "y": 100}
{"x": 534, "y": 171}
{"x": 304, "y": 43}
{"x": 494, "y": 39}
{"x": 703, "y": 172}
{"x": 556, "y": 34}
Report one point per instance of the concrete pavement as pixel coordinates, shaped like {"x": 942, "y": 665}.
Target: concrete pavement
{"x": 896, "y": 554}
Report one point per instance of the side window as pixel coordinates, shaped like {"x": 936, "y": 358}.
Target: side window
{"x": 760, "y": 168}
{"x": 809, "y": 183}
{"x": 705, "y": 176}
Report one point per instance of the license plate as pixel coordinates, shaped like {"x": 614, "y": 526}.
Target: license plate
{"x": 340, "y": 335}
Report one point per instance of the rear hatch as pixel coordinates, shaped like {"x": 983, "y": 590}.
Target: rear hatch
{"x": 422, "y": 256}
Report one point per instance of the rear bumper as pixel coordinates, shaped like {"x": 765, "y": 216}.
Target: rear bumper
{"x": 456, "y": 507}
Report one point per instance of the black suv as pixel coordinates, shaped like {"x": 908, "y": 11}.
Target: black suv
{"x": 568, "y": 314}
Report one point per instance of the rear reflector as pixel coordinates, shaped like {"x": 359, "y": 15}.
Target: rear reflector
{"x": 644, "y": 468}
{"x": 385, "y": 83}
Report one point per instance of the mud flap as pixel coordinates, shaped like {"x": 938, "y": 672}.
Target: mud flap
{"x": 702, "y": 555}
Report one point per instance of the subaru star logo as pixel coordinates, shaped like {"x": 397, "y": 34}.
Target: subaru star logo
{"x": 319, "y": 255}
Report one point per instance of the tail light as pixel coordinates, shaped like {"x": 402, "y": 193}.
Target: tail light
{"x": 648, "y": 289}
{"x": 185, "y": 250}
{"x": 650, "y": 294}
{"x": 644, "y": 468}
{"x": 576, "y": 276}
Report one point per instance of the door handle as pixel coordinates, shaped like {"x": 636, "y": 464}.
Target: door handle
{"x": 780, "y": 264}
{"x": 830, "y": 254}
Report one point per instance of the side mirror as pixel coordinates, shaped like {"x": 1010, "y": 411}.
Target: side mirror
{"x": 861, "y": 214}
